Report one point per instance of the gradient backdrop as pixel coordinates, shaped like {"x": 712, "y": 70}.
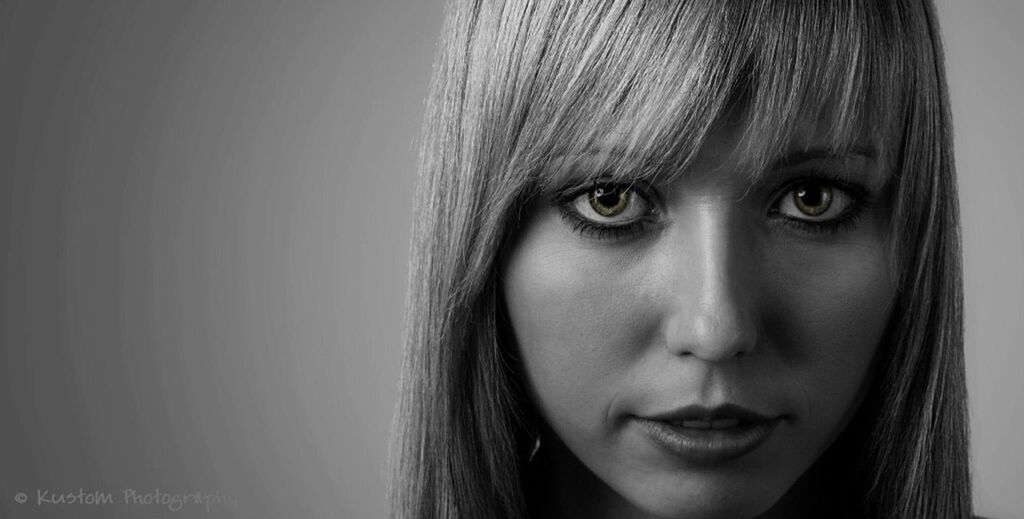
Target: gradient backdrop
{"x": 204, "y": 219}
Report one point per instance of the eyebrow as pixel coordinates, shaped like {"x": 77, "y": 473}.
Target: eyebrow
{"x": 796, "y": 157}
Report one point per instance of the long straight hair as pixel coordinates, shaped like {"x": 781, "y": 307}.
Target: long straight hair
{"x": 521, "y": 85}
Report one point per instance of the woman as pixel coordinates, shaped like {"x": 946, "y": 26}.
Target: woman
{"x": 685, "y": 259}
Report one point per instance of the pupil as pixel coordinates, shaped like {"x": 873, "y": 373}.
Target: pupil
{"x": 608, "y": 198}
{"x": 811, "y": 197}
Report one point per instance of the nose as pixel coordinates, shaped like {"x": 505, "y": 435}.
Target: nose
{"x": 711, "y": 263}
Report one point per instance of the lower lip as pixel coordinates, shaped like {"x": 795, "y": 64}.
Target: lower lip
{"x": 708, "y": 447}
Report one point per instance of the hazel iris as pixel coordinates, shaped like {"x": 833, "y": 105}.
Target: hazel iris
{"x": 813, "y": 199}
{"x": 609, "y": 201}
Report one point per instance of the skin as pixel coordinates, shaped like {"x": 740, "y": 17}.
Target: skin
{"x": 719, "y": 300}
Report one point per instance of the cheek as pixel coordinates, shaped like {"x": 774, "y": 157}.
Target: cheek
{"x": 568, "y": 313}
{"x": 830, "y": 315}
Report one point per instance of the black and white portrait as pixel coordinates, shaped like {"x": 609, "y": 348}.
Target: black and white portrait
{"x": 511, "y": 258}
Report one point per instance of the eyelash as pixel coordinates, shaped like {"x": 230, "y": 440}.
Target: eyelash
{"x": 600, "y": 231}
{"x": 860, "y": 199}
{"x": 859, "y": 196}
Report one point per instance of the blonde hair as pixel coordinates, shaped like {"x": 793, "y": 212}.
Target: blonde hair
{"x": 520, "y": 85}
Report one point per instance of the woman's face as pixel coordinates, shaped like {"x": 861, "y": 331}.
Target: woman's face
{"x": 698, "y": 344}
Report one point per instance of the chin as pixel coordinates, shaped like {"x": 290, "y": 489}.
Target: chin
{"x": 725, "y": 509}
{"x": 707, "y": 500}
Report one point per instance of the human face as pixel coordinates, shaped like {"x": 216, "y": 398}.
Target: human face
{"x": 629, "y": 307}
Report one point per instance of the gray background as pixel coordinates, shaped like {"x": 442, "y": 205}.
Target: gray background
{"x": 203, "y": 232}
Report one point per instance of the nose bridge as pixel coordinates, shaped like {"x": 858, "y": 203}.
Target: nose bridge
{"x": 713, "y": 246}
{"x": 713, "y": 286}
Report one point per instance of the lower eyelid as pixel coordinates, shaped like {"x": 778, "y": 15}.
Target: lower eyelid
{"x": 848, "y": 220}
{"x": 597, "y": 230}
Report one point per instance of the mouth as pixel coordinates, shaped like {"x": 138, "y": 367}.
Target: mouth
{"x": 703, "y": 436}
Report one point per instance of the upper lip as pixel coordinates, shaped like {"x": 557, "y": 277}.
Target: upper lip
{"x": 708, "y": 414}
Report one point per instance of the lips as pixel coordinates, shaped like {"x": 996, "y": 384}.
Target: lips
{"x": 703, "y": 436}
{"x": 697, "y": 413}
{"x": 725, "y": 423}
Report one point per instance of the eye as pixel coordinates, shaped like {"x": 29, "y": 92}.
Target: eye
{"x": 611, "y": 204}
{"x": 814, "y": 201}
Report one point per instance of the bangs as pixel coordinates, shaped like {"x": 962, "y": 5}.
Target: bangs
{"x": 637, "y": 88}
